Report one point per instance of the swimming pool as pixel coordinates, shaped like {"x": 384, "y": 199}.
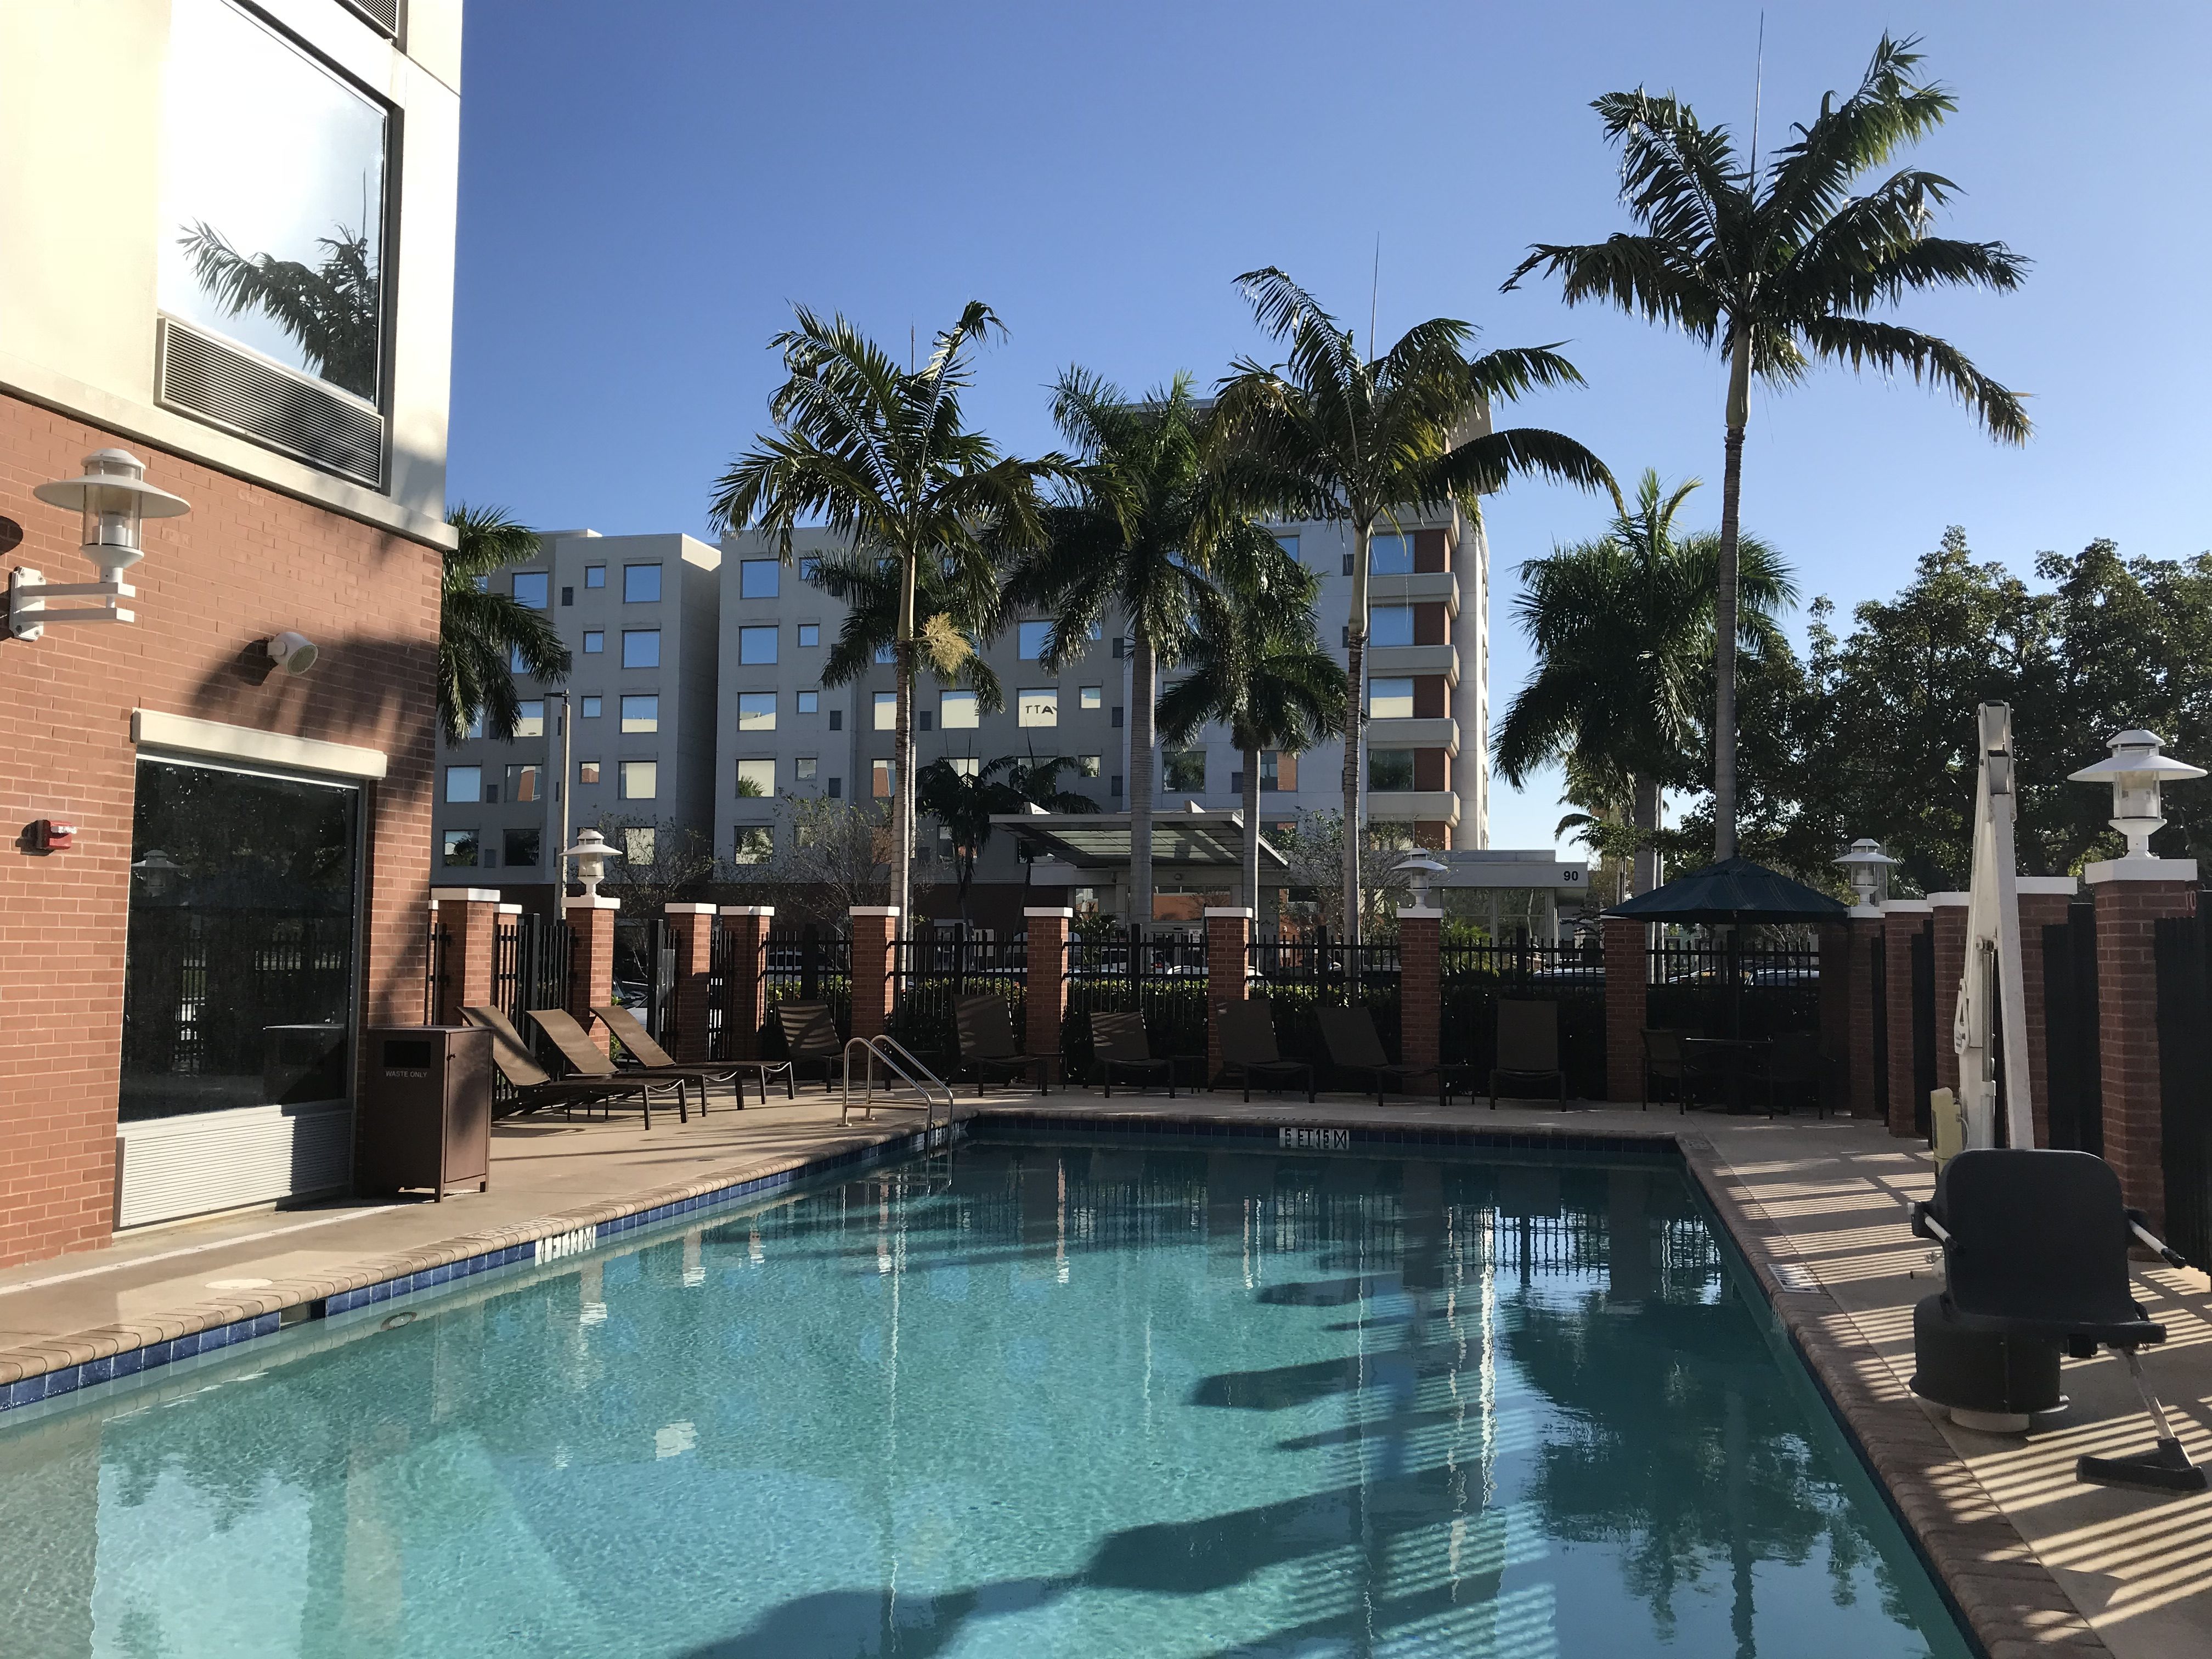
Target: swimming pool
{"x": 1037, "y": 1397}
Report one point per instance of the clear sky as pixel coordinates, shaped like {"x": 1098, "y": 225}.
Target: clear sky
{"x": 646, "y": 188}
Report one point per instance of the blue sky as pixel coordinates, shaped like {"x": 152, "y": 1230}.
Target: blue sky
{"x": 646, "y": 188}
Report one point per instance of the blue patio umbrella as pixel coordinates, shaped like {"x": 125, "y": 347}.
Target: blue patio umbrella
{"x": 1733, "y": 890}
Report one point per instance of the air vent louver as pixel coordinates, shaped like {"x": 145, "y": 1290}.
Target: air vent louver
{"x": 204, "y": 377}
{"x": 383, "y": 14}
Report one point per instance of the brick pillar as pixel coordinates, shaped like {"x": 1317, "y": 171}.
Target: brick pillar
{"x": 2131, "y": 895}
{"x": 1627, "y": 1010}
{"x": 875, "y": 929}
{"x": 1950, "y": 922}
{"x": 469, "y": 917}
{"x": 591, "y": 959}
{"x": 1420, "y": 985}
{"x": 1901, "y": 919}
{"x": 1228, "y": 956}
{"x": 1047, "y": 954}
{"x": 2043, "y": 902}
{"x": 745, "y": 986}
{"x": 1865, "y": 933}
{"x": 692, "y": 929}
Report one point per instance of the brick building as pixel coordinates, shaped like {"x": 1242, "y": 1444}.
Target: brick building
{"x": 182, "y": 985}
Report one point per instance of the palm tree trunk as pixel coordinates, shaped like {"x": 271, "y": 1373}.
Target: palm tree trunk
{"x": 1645, "y": 816}
{"x": 902, "y": 756}
{"x": 1251, "y": 833}
{"x": 1355, "y": 669}
{"x": 1724, "y": 606}
{"x": 1142, "y": 693}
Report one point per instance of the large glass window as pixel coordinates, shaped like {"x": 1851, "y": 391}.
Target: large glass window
{"x": 641, "y": 584}
{"x": 641, "y": 713}
{"x": 757, "y": 578}
{"x": 272, "y": 207}
{"x": 640, "y": 648}
{"x": 640, "y": 779}
{"x": 1390, "y": 624}
{"x": 460, "y": 847}
{"x": 523, "y": 783}
{"x": 1034, "y": 637}
{"x": 530, "y": 586}
{"x": 1183, "y": 770}
{"x": 886, "y": 707}
{"x": 755, "y": 844}
{"x": 1037, "y": 705}
{"x": 957, "y": 711}
{"x": 755, "y": 779}
{"x": 1391, "y": 769}
{"x": 464, "y": 785}
{"x": 1390, "y": 699}
{"x": 530, "y": 718}
{"x": 521, "y": 847}
{"x": 756, "y": 711}
{"x": 238, "y": 980}
{"x": 756, "y": 645}
{"x": 1390, "y": 555}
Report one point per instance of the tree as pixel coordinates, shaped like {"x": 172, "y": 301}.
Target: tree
{"x": 965, "y": 802}
{"x": 836, "y": 856}
{"x": 1313, "y": 849}
{"x": 1256, "y": 665}
{"x": 885, "y": 458}
{"x": 960, "y": 608}
{"x": 333, "y": 311}
{"x": 482, "y": 635}
{"x": 663, "y": 863}
{"x": 1132, "y": 539}
{"x": 1332, "y": 434}
{"x": 1622, "y": 631}
{"x": 1780, "y": 271}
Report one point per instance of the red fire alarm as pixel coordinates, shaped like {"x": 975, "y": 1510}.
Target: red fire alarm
{"x": 51, "y": 836}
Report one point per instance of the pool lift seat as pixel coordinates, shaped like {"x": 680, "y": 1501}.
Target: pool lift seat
{"x": 2035, "y": 1249}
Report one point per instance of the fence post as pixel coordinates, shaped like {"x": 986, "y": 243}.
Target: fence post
{"x": 1627, "y": 981}
{"x": 1950, "y": 927}
{"x": 469, "y": 915}
{"x": 1228, "y": 958}
{"x": 2043, "y": 903}
{"x": 1047, "y": 976}
{"x": 591, "y": 959}
{"x": 1902, "y": 919}
{"x": 692, "y": 928}
{"x": 2131, "y": 895}
{"x": 875, "y": 933}
{"x": 1834, "y": 1046}
{"x": 744, "y": 977}
{"x": 1421, "y": 984}
{"x": 1865, "y": 934}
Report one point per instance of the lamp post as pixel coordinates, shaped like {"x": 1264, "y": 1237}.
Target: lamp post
{"x": 115, "y": 500}
{"x": 1418, "y": 869}
{"x": 590, "y": 852}
{"x": 160, "y": 872}
{"x": 2136, "y": 772}
{"x": 1867, "y": 868}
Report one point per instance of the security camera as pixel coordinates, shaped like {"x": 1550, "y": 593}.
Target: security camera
{"x": 295, "y": 653}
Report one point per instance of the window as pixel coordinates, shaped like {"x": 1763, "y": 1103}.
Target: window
{"x": 810, "y": 567}
{"x": 1390, "y": 624}
{"x": 1390, "y": 769}
{"x": 756, "y": 844}
{"x": 756, "y": 711}
{"x": 837, "y": 788}
{"x": 884, "y": 772}
{"x": 641, "y": 584}
{"x": 530, "y": 718}
{"x": 1347, "y": 564}
{"x": 809, "y": 701}
{"x": 1289, "y": 544}
{"x": 1391, "y": 556}
{"x": 461, "y": 850}
{"x": 476, "y": 725}
{"x": 514, "y": 663}
{"x": 642, "y": 647}
{"x": 641, "y": 713}
{"x": 595, "y": 640}
{"x": 1086, "y": 766}
{"x": 640, "y": 779}
{"x": 1391, "y": 699}
{"x": 591, "y": 707}
{"x": 523, "y": 782}
{"x": 804, "y": 769}
{"x": 809, "y": 635}
{"x": 887, "y": 652}
{"x": 1279, "y": 773}
{"x": 568, "y": 594}
{"x": 1114, "y": 787}
{"x": 756, "y": 579}
{"x": 1117, "y": 717}
{"x": 957, "y": 711}
{"x": 530, "y": 589}
{"x": 1037, "y": 706}
{"x": 1184, "y": 771}
{"x": 239, "y": 195}
{"x": 588, "y": 772}
{"x": 1094, "y": 696}
{"x": 755, "y": 779}
{"x": 836, "y": 720}
{"x": 640, "y": 845}
{"x": 465, "y": 783}
{"x": 886, "y": 711}
{"x": 923, "y": 715}
{"x": 520, "y": 847}
{"x": 756, "y": 645}
{"x": 595, "y": 575}
{"x": 491, "y": 858}
{"x": 1035, "y": 636}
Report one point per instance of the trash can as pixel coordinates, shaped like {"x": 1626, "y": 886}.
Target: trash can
{"x": 424, "y": 1122}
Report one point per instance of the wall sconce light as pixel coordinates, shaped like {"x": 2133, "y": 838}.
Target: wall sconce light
{"x": 1418, "y": 869}
{"x": 295, "y": 653}
{"x": 115, "y": 500}
{"x": 2136, "y": 770}
{"x": 1867, "y": 867}
{"x": 590, "y": 852}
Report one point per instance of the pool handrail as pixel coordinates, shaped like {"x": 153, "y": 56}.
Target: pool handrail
{"x": 892, "y": 1052}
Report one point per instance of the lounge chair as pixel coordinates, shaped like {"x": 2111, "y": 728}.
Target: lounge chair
{"x": 583, "y": 1058}
{"x": 1792, "y": 1062}
{"x": 1663, "y": 1062}
{"x": 1527, "y": 1046}
{"x": 1348, "y": 1035}
{"x": 2035, "y": 1248}
{"x": 1248, "y": 1048}
{"x": 629, "y": 1030}
{"x": 810, "y": 1037}
{"x": 987, "y": 1047}
{"x": 532, "y": 1088}
{"x": 1118, "y": 1043}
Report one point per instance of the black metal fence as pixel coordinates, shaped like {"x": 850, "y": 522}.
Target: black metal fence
{"x": 2074, "y": 1113}
{"x": 644, "y": 973}
{"x": 931, "y": 972}
{"x": 2183, "y": 950}
{"x": 530, "y": 970}
{"x": 437, "y": 944}
{"x": 1477, "y": 977}
{"x": 1725, "y": 990}
{"x": 810, "y": 966}
{"x": 1162, "y": 977}
{"x": 1300, "y": 976}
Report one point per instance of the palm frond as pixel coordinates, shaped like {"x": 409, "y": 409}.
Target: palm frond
{"x": 1861, "y": 342}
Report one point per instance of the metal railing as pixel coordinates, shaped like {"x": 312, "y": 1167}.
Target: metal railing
{"x": 1300, "y": 976}
{"x": 928, "y": 1086}
{"x": 810, "y": 966}
{"x": 1161, "y": 976}
{"x": 644, "y": 973}
{"x": 931, "y": 972}
{"x": 1477, "y": 977}
{"x": 530, "y": 958}
{"x": 1726, "y": 990}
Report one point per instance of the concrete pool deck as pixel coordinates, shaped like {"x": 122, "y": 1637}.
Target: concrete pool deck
{"x": 2039, "y": 1564}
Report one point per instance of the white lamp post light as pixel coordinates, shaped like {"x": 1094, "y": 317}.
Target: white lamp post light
{"x": 115, "y": 500}
{"x": 2136, "y": 771}
{"x": 1867, "y": 867}
{"x": 590, "y": 852}
{"x": 1418, "y": 869}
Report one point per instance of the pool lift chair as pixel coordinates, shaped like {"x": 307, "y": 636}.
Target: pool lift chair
{"x": 2035, "y": 1255}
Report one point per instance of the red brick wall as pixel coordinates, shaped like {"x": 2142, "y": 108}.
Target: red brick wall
{"x": 1865, "y": 944}
{"x": 1950, "y": 969}
{"x": 2127, "y": 1038}
{"x": 1421, "y": 977}
{"x": 1228, "y": 940}
{"x": 873, "y": 933}
{"x": 1897, "y": 929}
{"x": 1046, "y": 955}
{"x": 245, "y": 563}
{"x": 1627, "y": 996}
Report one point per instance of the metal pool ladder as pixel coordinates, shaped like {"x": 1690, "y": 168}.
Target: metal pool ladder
{"x": 928, "y": 1088}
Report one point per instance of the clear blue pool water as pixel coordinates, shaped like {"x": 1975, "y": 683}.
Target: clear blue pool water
{"x": 1061, "y": 1399}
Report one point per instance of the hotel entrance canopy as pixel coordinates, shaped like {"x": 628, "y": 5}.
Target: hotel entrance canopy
{"x": 1100, "y": 840}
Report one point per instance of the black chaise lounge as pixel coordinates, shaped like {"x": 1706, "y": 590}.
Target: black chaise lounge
{"x": 988, "y": 1048}
{"x": 2035, "y": 1247}
{"x": 1349, "y": 1037}
{"x": 1248, "y": 1054}
{"x": 1527, "y": 1046}
{"x": 810, "y": 1038}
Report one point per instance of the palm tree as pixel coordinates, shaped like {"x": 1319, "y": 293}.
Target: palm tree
{"x": 884, "y": 457}
{"x": 959, "y": 606}
{"x": 965, "y": 802}
{"x": 1132, "y": 539}
{"x": 1257, "y": 667}
{"x": 1622, "y": 627}
{"x": 482, "y": 636}
{"x": 332, "y": 311}
{"x": 1781, "y": 271}
{"x": 1332, "y": 434}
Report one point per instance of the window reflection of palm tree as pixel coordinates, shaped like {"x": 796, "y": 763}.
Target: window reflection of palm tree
{"x": 331, "y": 310}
